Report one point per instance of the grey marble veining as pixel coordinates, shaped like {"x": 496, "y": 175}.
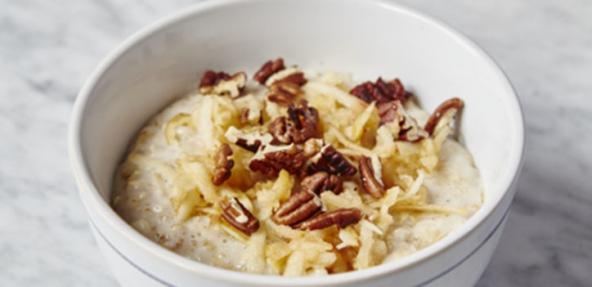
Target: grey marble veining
{"x": 48, "y": 48}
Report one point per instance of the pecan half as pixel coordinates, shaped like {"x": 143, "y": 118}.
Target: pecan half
{"x": 222, "y": 84}
{"x": 451, "y": 105}
{"x": 369, "y": 182}
{"x": 224, "y": 164}
{"x": 321, "y": 182}
{"x": 299, "y": 207}
{"x": 301, "y": 124}
{"x": 341, "y": 217}
{"x": 269, "y": 68}
{"x": 283, "y": 93}
{"x": 271, "y": 163}
{"x": 331, "y": 161}
{"x": 380, "y": 91}
{"x": 238, "y": 216}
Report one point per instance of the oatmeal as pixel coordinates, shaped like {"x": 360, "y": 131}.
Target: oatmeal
{"x": 297, "y": 173}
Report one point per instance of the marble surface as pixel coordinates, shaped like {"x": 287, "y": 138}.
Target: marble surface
{"x": 47, "y": 49}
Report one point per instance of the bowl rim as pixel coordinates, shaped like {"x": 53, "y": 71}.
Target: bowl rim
{"x": 94, "y": 201}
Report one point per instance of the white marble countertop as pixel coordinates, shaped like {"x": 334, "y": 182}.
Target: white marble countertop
{"x": 47, "y": 49}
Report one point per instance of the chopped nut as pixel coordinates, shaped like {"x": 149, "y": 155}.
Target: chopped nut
{"x": 296, "y": 78}
{"x": 252, "y": 147}
{"x": 409, "y": 130}
{"x": 222, "y": 84}
{"x": 238, "y": 216}
{"x": 224, "y": 164}
{"x": 268, "y": 69}
{"x": 388, "y": 112}
{"x": 331, "y": 161}
{"x": 451, "y": 105}
{"x": 369, "y": 182}
{"x": 321, "y": 182}
{"x": 211, "y": 78}
{"x": 283, "y": 92}
{"x": 301, "y": 124}
{"x": 299, "y": 207}
{"x": 380, "y": 91}
{"x": 333, "y": 183}
{"x": 270, "y": 163}
{"x": 341, "y": 217}
{"x": 248, "y": 141}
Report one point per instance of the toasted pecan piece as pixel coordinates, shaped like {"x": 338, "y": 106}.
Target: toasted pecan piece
{"x": 453, "y": 105}
{"x": 299, "y": 207}
{"x": 341, "y": 217}
{"x": 301, "y": 124}
{"x": 222, "y": 84}
{"x": 238, "y": 216}
{"x": 380, "y": 91}
{"x": 271, "y": 163}
{"x": 252, "y": 147}
{"x": 296, "y": 78}
{"x": 388, "y": 112}
{"x": 269, "y": 68}
{"x": 321, "y": 182}
{"x": 211, "y": 78}
{"x": 409, "y": 130}
{"x": 369, "y": 182}
{"x": 224, "y": 164}
{"x": 331, "y": 161}
{"x": 283, "y": 92}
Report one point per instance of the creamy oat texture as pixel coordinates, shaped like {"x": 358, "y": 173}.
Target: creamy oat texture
{"x": 164, "y": 187}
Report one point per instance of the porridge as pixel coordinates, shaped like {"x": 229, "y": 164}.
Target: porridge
{"x": 297, "y": 173}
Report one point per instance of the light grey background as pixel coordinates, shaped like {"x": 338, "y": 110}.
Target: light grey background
{"x": 48, "y": 48}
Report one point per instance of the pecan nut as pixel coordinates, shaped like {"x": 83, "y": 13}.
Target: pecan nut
{"x": 238, "y": 216}
{"x": 380, "y": 91}
{"x": 331, "y": 161}
{"x": 249, "y": 141}
{"x": 409, "y": 130}
{"x": 269, "y": 68}
{"x": 342, "y": 217}
{"x": 301, "y": 124}
{"x": 283, "y": 92}
{"x": 252, "y": 146}
{"x": 211, "y": 78}
{"x": 221, "y": 83}
{"x": 296, "y": 78}
{"x": 388, "y": 112}
{"x": 449, "y": 106}
{"x": 321, "y": 182}
{"x": 299, "y": 207}
{"x": 271, "y": 163}
{"x": 369, "y": 181}
{"x": 224, "y": 164}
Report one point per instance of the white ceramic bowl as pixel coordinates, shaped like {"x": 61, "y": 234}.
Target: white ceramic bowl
{"x": 366, "y": 38}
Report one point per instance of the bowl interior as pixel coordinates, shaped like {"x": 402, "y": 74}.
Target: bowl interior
{"x": 366, "y": 38}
